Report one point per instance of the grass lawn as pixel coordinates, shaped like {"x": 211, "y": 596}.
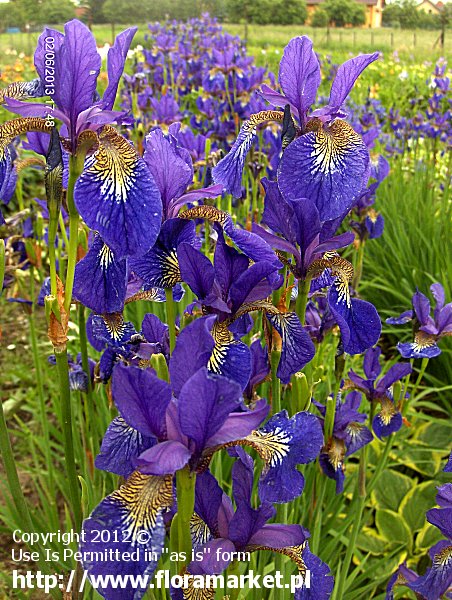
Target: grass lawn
{"x": 265, "y": 39}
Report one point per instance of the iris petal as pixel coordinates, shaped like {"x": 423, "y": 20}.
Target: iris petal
{"x": 329, "y": 166}
{"x": 160, "y": 266}
{"x": 117, "y": 196}
{"x": 112, "y": 329}
{"x": 230, "y": 358}
{"x": 297, "y": 349}
{"x": 358, "y": 320}
{"x": 133, "y": 517}
{"x": 121, "y": 444}
{"x": 100, "y": 280}
{"x": 229, "y": 170}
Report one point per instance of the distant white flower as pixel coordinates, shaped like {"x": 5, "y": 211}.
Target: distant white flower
{"x": 403, "y": 75}
{"x": 103, "y": 51}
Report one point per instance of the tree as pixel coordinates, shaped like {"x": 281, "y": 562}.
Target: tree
{"x": 345, "y": 12}
{"x": 290, "y": 12}
{"x": 57, "y": 11}
{"x": 402, "y": 13}
{"x": 265, "y": 12}
{"x": 96, "y": 13}
{"x": 122, "y": 11}
{"x": 320, "y": 18}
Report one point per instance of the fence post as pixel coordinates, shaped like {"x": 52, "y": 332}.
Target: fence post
{"x": 354, "y": 38}
{"x": 392, "y": 39}
{"x": 414, "y": 39}
{"x": 372, "y": 38}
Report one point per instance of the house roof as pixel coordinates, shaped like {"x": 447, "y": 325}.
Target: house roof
{"x": 437, "y": 6}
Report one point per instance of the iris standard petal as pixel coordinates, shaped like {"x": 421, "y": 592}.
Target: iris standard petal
{"x": 193, "y": 349}
{"x": 346, "y": 76}
{"x": 116, "y": 58}
{"x": 205, "y": 402}
{"x": 299, "y": 74}
{"x": 171, "y": 166}
{"x": 77, "y": 66}
{"x": 196, "y": 270}
{"x": 142, "y": 399}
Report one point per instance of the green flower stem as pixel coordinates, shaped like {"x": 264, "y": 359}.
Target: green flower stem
{"x": 276, "y": 384}
{"x": 63, "y": 230}
{"x": 233, "y": 569}
{"x": 302, "y": 299}
{"x": 361, "y": 493}
{"x": 381, "y": 464}
{"x": 207, "y": 151}
{"x": 40, "y": 387}
{"x": 75, "y": 170}
{"x": 171, "y": 317}
{"x": 276, "y": 407}
{"x": 359, "y": 266}
{"x": 419, "y": 378}
{"x": 316, "y": 534}
{"x": 185, "y": 488}
{"x": 329, "y": 417}
{"x": 90, "y": 414}
{"x": 66, "y": 418}
{"x": 84, "y": 343}
{"x": 2, "y": 264}
{"x": 52, "y": 231}
{"x": 11, "y": 474}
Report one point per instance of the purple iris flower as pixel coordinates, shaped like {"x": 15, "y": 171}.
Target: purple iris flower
{"x": 101, "y": 279}
{"x": 389, "y": 419}
{"x": 324, "y": 160}
{"x": 448, "y": 467}
{"x": 216, "y": 526}
{"x": 260, "y": 368}
{"x": 437, "y": 579}
{"x": 78, "y": 378}
{"x": 349, "y": 435}
{"x": 77, "y": 66}
{"x": 184, "y": 423}
{"x": 427, "y": 329}
{"x": 8, "y": 178}
{"x": 172, "y": 168}
{"x": 319, "y": 319}
{"x": 117, "y": 338}
{"x": 313, "y": 247}
{"x": 231, "y": 288}
{"x": 190, "y": 357}
{"x": 115, "y": 194}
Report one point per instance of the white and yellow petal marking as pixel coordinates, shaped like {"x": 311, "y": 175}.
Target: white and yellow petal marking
{"x": 141, "y": 499}
{"x": 200, "y": 532}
